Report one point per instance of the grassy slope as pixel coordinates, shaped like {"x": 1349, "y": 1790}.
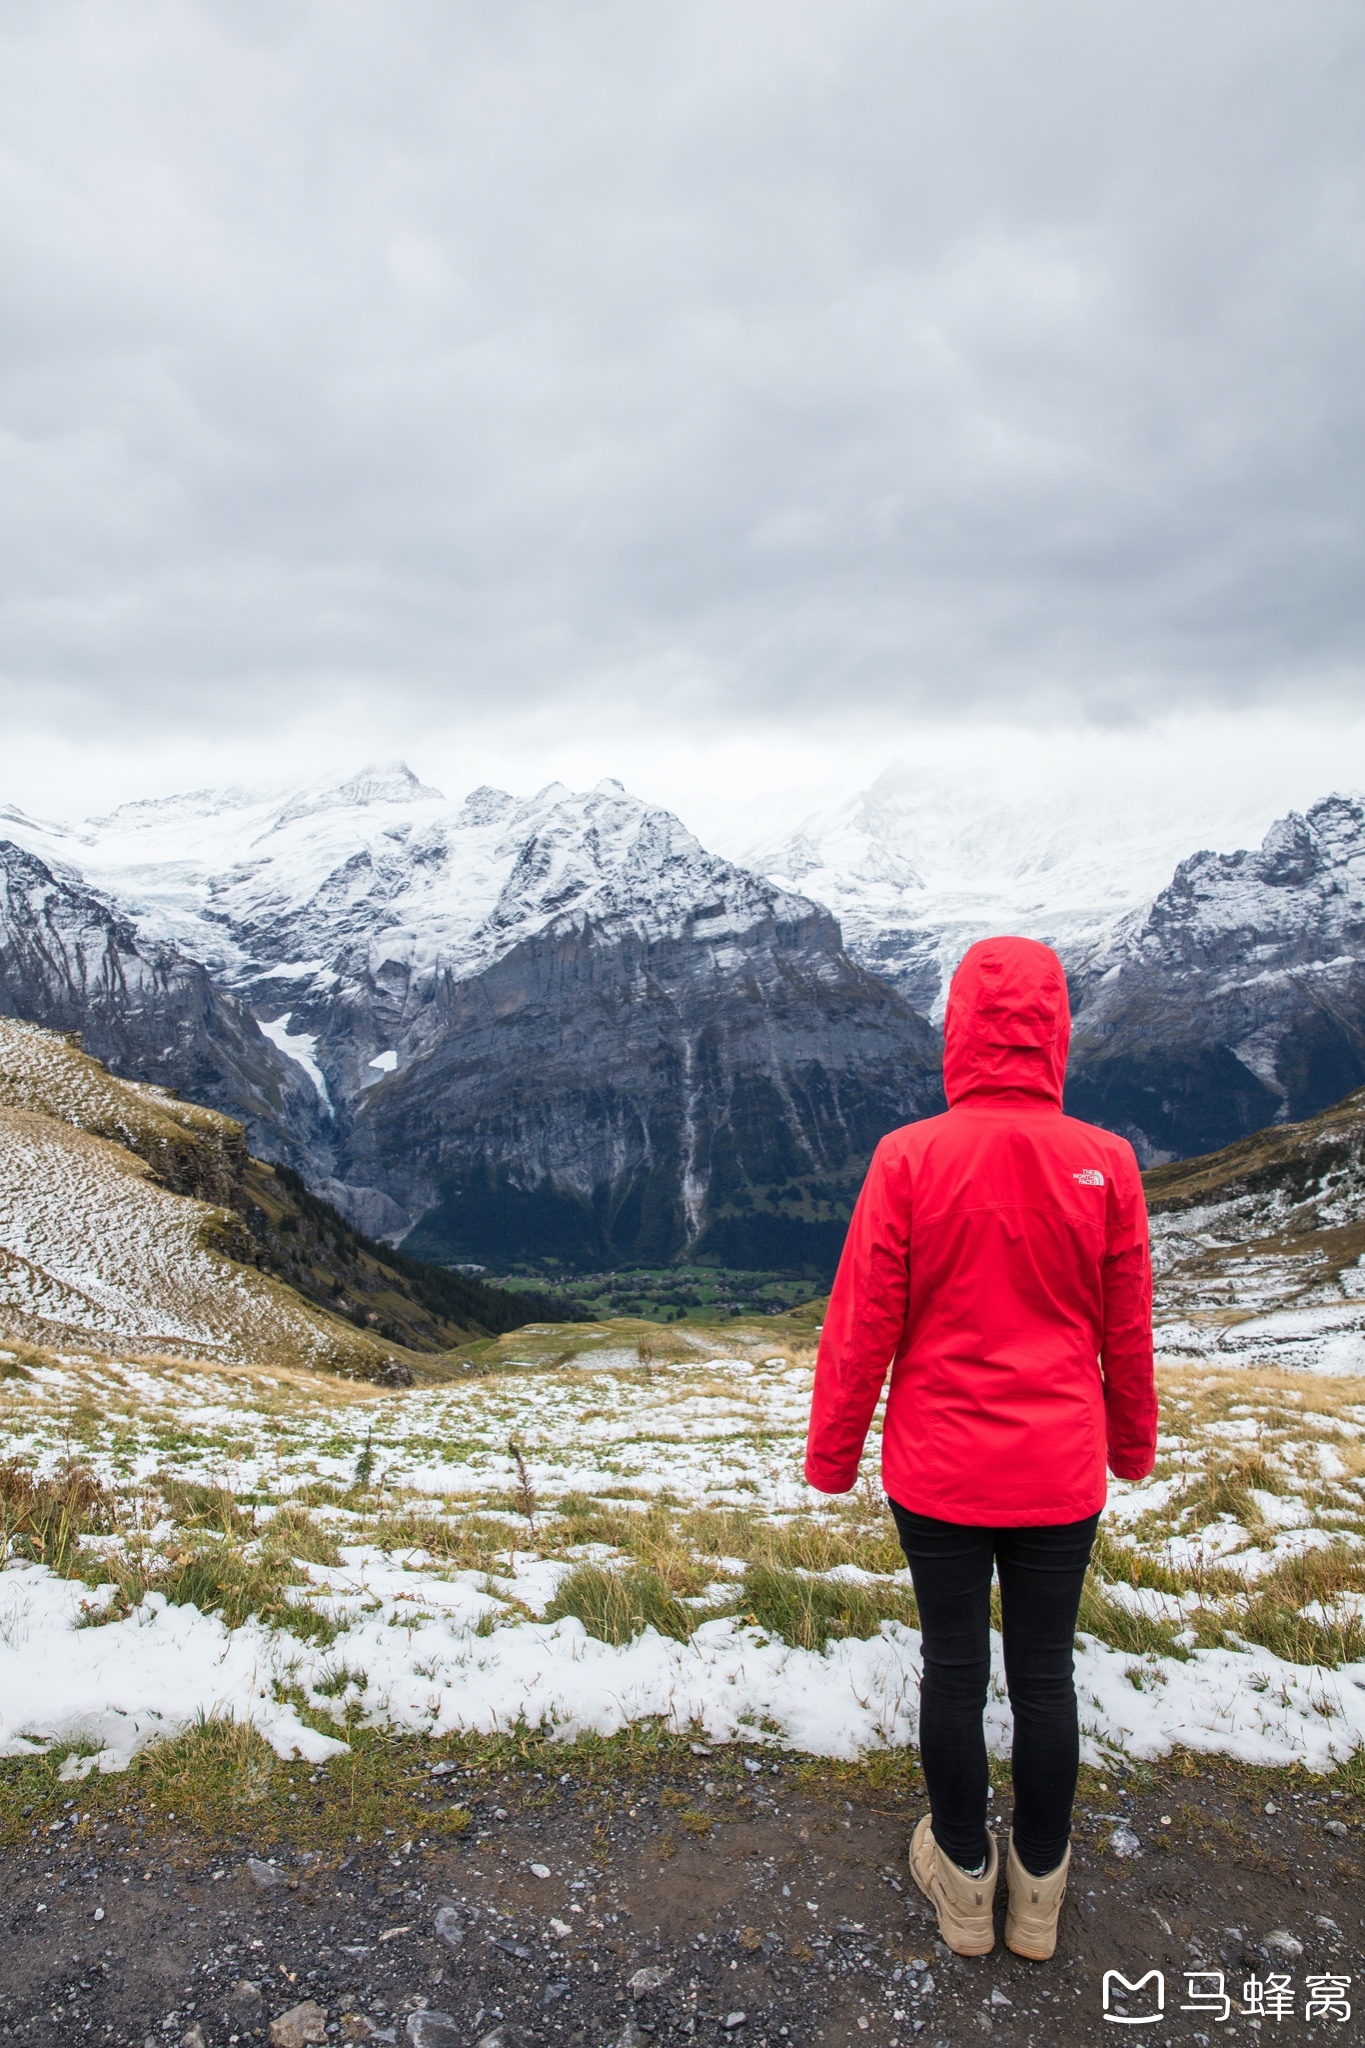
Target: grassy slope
{"x": 1285, "y": 1157}
{"x": 1272, "y": 1222}
{"x": 252, "y": 1262}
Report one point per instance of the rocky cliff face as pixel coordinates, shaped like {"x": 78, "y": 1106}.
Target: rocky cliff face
{"x": 1237, "y": 999}
{"x": 70, "y": 962}
{"x": 620, "y": 1096}
{"x": 553, "y": 1027}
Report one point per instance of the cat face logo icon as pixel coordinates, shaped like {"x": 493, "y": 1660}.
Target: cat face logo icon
{"x": 1115, "y": 1985}
{"x": 1089, "y": 1177}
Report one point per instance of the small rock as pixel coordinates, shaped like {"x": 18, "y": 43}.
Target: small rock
{"x": 1271, "y": 1807}
{"x": 556, "y": 1989}
{"x": 631, "y": 2036}
{"x": 393, "y": 1373}
{"x": 245, "y": 1998}
{"x": 733, "y": 2020}
{"x": 355, "y": 2026}
{"x": 926, "y": 1984}
{"x": 648, "y": 1979}
{"x": 98, "y": 1913}
{"x": 700, "y": 1749}
{"x": 561, "y": 1929}
{"x": 263, "y": 1874}
{"x": 434, "y": 2030}
{"x": 998, "y": 1997}
{"x": 539, "y": 1869}
{"x": 1283, "y": 1942}
{"x": 1337, "y": 1828}
{"x": 449, "y": 1927}
{"x": 193, "y": 2037}
{"x": 1123, "y": 1842}
{"x": 299, "y": 2026}
{"x": 749, "y": 1938}
{"x": 1327, "y": 1926}
{"x": 752, "y": 1764}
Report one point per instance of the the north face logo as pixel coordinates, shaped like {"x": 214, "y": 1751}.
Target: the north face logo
{"x": 1089, "y": 1177}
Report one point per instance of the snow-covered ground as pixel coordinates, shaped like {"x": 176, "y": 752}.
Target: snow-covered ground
{"x": 444, "y": 1564}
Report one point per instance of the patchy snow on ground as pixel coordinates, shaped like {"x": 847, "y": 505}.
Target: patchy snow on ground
{"x": 427, "y": 1644}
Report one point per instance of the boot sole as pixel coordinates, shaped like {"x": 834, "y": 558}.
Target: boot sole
{"x": 1031, "y": 1955}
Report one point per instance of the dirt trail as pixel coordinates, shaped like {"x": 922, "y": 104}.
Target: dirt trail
{"x": 770, "y": 1916}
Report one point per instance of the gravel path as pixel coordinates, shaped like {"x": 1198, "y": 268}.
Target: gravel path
{"x": 765, "y": 1917}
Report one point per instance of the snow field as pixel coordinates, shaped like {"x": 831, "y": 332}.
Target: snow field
{"x": 1225, "y": 1613}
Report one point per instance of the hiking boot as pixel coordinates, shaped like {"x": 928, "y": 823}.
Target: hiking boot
{"x": 963, "y": 1903}
{"x": 1034, "y": 1903}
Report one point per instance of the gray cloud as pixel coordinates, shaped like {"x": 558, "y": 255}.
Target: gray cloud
{"x": 700, "y": 360}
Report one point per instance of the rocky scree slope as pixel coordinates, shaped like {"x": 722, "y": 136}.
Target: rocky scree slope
{"x": 550, "y": 1027}
{"x": 1237, "y": 999}
{"x": 135, "y": 1223}
{"x": 1258, "y": 1250}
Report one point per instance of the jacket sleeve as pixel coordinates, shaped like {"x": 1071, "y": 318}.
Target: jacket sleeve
{"x": 863, "y": 1324}
{"x": 1126, "y": 1352}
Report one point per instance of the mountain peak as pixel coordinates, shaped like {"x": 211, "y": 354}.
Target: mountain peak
{"x": 382, "y": 782}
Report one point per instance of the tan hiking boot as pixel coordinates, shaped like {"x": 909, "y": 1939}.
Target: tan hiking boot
{"x": 963, "y": 1903}
{"x": 1035, "y": 1902}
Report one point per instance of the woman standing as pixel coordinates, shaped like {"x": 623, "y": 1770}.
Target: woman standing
{"x": 997, "y": 1262}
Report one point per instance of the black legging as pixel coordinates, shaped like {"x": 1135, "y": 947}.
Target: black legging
{"x": 1041, "y": 1573}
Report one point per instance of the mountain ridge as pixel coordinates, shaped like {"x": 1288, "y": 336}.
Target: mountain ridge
{"x": 564, "y": 1000}
{"x": 558, "y": 1026}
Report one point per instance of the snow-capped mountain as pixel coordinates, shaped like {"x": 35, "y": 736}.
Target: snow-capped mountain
{"x": 381, "y": 877}
{"x": 1236, "y": 999}
{"x": 1214, "y": 993}
{"x": 550, "y": 1023}
{"x": 559, "y": 1025}
{"x": 918, "y": 867}
{"x": 72, "y": 962}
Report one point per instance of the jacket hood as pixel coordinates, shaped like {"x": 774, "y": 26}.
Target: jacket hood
{"x": 1008, "y": 1023}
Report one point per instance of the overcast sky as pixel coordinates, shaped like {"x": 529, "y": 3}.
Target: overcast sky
{"x": 726, "y": 396}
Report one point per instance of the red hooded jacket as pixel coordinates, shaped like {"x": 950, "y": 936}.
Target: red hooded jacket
{"x": 997, "y": 1262}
